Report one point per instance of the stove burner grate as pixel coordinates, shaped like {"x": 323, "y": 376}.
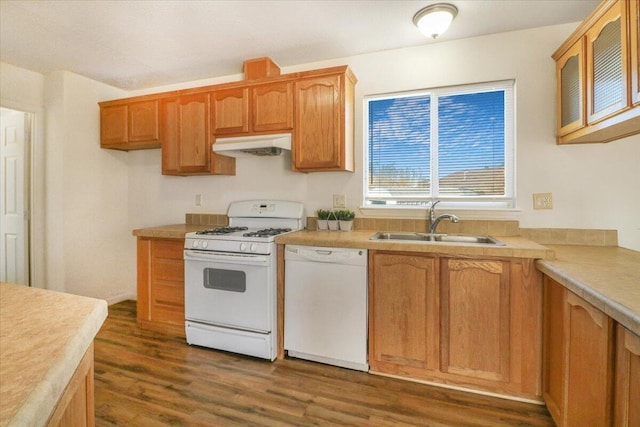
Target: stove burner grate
{"x": 267, "y": 232}
{"x": 221, "y": 230}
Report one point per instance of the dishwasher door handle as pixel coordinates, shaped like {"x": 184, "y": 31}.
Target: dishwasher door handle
{"x": 325, "y": 255}
{"x": 323, "y": 252}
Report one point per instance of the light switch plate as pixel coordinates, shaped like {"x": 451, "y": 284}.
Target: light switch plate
{"x": 542, "y": 201}
{"x": 339, "y": 201}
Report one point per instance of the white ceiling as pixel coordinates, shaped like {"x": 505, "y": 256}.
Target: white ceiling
{"x": 140, "y": 44}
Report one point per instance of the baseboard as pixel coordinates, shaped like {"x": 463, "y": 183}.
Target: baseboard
{"x": 120, "y": 298}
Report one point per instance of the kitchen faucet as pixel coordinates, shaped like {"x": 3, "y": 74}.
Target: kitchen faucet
{"x": 433, "y": 221}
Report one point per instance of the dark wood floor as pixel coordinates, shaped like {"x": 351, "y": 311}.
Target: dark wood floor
{"x": 146, "y": 379}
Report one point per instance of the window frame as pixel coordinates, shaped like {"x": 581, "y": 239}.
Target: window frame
{"x": 506, "y": 202}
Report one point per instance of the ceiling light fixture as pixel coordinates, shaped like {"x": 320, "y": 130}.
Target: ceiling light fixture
{"x": 434, "y": 19}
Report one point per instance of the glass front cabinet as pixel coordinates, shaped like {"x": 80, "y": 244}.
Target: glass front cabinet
{"x": 597, "y": 76}
{"x": 570, "y": 75}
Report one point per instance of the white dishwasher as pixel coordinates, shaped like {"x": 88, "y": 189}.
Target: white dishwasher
{"x": 325, "y": 305}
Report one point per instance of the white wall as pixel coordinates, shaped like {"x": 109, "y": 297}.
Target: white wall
{"x": 90, "y": 250}
{"x": 594, "y": 186}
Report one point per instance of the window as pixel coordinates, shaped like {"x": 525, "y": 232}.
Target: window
{"x": 453, "y": 144}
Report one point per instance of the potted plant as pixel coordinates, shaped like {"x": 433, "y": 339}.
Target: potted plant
{"x": 346, "y": 219}
{"x": 332, "y": 220}
{"x": 323, "y": 215}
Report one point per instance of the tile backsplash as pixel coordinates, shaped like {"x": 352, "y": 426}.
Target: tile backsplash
{"x": 571, "y": 236}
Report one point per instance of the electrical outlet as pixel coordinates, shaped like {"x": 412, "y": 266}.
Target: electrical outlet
{"x": 198, "y": 199}
{"x": 339, "y": 201}
{"x": 542, "y": 201}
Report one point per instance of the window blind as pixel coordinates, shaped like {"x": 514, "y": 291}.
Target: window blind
{"x": 453, "y": 143}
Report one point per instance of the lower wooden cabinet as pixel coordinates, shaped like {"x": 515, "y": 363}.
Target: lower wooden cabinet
{"x": 160, "y": 302}
{"x": 475, "y": 317}
{"x": 473, "y": 323}
{"x": 626, "y": 408}
{"x": 578, "y": 359}
{"x": 403, "y": 314}
{"x": 76, "y": 407}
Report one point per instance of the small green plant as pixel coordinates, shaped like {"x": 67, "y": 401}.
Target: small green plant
{"x": 323, "y": 214}
{"x": 346, "y": 215}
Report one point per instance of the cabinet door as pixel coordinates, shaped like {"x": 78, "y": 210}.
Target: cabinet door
{"x": 606, "y": 47}
{"x": 230, "y": 113}
{"x": 627, "y": 396}
{"x": 143, "y": 121}
{"x": 403, "y": 314}
{"x": 170, "y": 131}
{"x": 318, "y": 126}
{"x": 634, "y": 30}
{"x": 589, "y": 364}
{"x": 161, "y": 281}
{"x": 475, "y": 318}
{"x": 272, "y": 107}
{"x": 570, "y": 78}
{"x": 195, "y": 150}
{"x": 114, "y": 125}
{"x": 553, "y": 373}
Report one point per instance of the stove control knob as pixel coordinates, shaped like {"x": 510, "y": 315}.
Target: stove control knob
{"x": 243, "y": 246}
{"x": 204, "y": 245}
{"x": 253, "y": 247}
{"x": 195, "y": 243}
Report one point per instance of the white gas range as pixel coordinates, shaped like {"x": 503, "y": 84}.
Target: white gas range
{"x": 230, "y": 278}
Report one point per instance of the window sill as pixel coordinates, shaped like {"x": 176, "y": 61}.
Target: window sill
{"x": 421, "y": 212}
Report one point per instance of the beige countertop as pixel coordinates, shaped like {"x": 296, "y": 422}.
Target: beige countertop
{"x": 43, "y": 337}
{"x": 515, "y": 247}
{"x": 606, "y": 276}
{"x": 173, "y": 231}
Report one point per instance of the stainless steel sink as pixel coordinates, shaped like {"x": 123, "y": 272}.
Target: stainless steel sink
{"x": 443, "y": 238}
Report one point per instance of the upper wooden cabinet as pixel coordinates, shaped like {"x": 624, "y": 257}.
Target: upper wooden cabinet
{"x": 129, "y": 126}
{"x": 570, "y": 75}
{"x": 272, "y": 107}
{"x": 188, "y": 121}
{"x": 256, "y": 109}
{"x": 607, "y": 64}
{"x": 230, "y": 111}
{"x": 473, "y": 323}
{"x": 597, "y": 76}
{"x": 186, "y": 147}
{"x": 323, "y": 124}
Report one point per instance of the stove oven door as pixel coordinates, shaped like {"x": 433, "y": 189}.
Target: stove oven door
{"x": 230, "y": 290}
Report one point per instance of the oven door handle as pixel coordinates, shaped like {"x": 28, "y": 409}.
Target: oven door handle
{"x": 229, "y": 258}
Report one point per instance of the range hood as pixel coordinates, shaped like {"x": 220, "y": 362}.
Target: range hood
{"x": 259, "y": 145}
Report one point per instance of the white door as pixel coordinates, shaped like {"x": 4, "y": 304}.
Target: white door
{"x": 14, "y": 264}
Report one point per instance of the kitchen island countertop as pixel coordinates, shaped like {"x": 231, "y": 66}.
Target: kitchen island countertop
{"x": 43, "y": 337}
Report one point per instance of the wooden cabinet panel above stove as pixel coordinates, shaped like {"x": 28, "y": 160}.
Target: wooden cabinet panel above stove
{"x": 264, "y": 103}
